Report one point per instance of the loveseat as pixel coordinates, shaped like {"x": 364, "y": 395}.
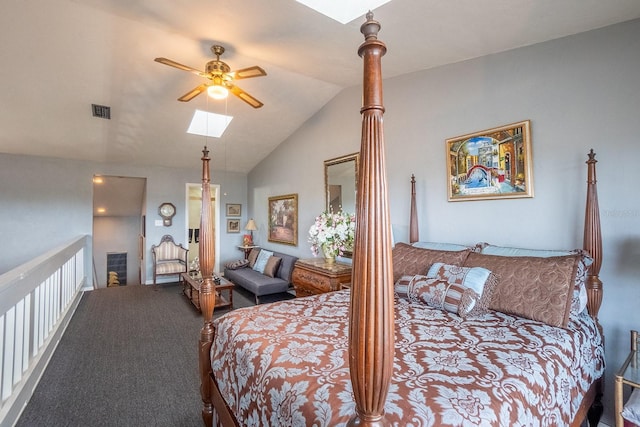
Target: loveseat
{"x": 263, "y": 273}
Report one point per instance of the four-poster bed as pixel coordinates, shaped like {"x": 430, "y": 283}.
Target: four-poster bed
{"x": 367, "y": 357}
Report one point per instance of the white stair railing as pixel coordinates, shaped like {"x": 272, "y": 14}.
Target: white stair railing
{"x": 37, "y": 300}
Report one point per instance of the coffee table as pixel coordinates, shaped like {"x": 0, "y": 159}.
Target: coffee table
{"x": 191, "y": 289}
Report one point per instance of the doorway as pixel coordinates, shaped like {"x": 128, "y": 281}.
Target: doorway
{"x": 194, "y": 207}
{"x": 118, "y": 227}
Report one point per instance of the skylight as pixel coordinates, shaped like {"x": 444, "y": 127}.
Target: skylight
{"x": 208, "y": 124}
{"x": 341, "y": 10}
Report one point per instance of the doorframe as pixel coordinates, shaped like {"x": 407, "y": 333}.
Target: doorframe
{"x": 215, "y": 194}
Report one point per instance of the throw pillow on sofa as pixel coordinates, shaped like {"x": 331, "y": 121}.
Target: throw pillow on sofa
{"x": 253, "y": 256}
{"x": 234, "y": 265}
{"x": 272, "y": 266}
{"x": 261, "y": 261}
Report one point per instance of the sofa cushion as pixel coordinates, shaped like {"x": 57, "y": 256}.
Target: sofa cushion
{"x": 253, "y": 255}
{"x": 287, "y": 263}
{"x": 170, "y": 267}
{"x": 261, "y": 261}
{"x": 234, "y": 265}
{"x": 272, "y": 266}
{"x": 256, "y": 283}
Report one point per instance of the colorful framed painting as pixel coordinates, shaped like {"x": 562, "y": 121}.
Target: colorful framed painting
{"x": 233, "y": 226}
{"x": 491, "y": 164}
{"x": 283, "y": 219}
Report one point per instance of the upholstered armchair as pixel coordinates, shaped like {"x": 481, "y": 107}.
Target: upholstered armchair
{"x": 169, "y": 258}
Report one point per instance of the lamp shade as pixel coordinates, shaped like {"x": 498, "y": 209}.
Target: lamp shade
{"x": 251, "y": 225}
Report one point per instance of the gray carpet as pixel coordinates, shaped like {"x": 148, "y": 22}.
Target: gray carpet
{"x": 128, "y": 358}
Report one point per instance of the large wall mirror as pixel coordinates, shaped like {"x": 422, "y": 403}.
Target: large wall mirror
{"x": 340, "y": 182}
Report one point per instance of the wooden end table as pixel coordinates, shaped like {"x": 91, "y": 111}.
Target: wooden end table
{"x": 247, "y": 250}
{"x": 191, "y": 289}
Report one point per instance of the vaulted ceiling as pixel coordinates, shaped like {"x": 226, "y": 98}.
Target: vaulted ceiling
{"x": 61, "y": 56}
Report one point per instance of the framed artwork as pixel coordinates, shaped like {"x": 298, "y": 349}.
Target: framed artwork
{"x": 283, "y": 219}
{"x": 491, "y": 164}
{"x": 233, "y": 226}
{"x": 234, "y": 209}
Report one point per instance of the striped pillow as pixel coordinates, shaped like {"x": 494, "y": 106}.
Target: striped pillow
{"x": 436, "y": 293}
{"x": 462, "y": 290}
{"x": 401, "y": 287}
{"x": 234, "y": 265}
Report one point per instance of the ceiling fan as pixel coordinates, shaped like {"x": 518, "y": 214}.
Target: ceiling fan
{"x": 221, "y": 78}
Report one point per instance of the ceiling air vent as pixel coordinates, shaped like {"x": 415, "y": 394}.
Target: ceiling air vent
{"x": 101, "y": 111}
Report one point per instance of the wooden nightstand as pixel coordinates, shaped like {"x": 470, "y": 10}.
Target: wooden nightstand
{"x": 316, "y": 276}
{"x": 628, "y": 374}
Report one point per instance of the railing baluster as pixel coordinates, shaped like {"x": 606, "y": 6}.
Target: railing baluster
{"x": 36, "y": 299}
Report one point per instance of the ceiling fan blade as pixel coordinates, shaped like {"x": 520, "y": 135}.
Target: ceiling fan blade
{"x": 179, "y": 66}
{"x": 193, "y": 93}
{"x": 246, "y": 73}
{"x": 245, "y": 96}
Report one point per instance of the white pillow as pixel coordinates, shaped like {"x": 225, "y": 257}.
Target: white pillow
{"x": 441, "y": 246}
{"x": 261, "y": 261}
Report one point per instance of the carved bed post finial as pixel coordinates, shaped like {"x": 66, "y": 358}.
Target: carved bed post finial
{"x": 593, "y": 239}
{"x": 413, "y": 219}
{"x": 371, "y": 333}
{"x": 207, "y": 290}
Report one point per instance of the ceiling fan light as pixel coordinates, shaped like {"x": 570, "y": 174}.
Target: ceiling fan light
{"x": 218, "y": 92}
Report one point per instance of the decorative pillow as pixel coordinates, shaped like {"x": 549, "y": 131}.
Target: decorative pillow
{"x": 579, "y": 298}
{"x": 234, "y": 265}
{"x": 261, "y": 261}
{"x": 253, "y": 256}
{"x": 401, "y": 286}
{"x": 536, "y": 288}
{"x": 453, "y": 297}
{"x": 478, "y": 279}
{"x": 272, "y": 266}
{"x": 409, "y": 260}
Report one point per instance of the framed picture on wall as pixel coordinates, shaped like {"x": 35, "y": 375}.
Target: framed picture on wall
{"x": 490, "y": 164}
{"x": 234, "y": 209}
{"x": 233, "y": 226}
{"x": 283, "y": 219}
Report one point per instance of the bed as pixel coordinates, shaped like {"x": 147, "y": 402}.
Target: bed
{"x": 396, "y": 349}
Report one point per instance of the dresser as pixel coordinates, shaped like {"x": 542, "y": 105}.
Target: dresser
{"x": 316, "y": 276}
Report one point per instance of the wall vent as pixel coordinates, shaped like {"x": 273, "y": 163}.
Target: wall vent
{"x": 101, "y": 111}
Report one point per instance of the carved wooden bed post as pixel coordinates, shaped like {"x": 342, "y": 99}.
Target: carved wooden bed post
{"x": 371, "y": 340}
{"x": 593, "y": 239}
{"x": 207, "y": 290}
{"x": 413, "y": 221}
{"x": 592, "y": 243}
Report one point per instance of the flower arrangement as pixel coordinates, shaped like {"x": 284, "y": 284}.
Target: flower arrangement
{"x": 332, "y": 233}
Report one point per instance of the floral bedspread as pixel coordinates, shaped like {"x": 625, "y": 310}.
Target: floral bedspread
{"x": 286, "y": 364}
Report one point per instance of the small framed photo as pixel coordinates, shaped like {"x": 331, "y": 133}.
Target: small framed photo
{"x": 233, "y": 226}
{"x": 491, "y": 164}
{"x": 234, "y": 209}
{"x": 283, "y": 219}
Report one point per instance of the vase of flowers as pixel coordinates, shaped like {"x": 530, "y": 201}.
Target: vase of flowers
{"x": 332, "y": 234}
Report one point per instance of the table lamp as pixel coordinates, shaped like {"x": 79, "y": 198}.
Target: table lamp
{"x": 251, "y": 226}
